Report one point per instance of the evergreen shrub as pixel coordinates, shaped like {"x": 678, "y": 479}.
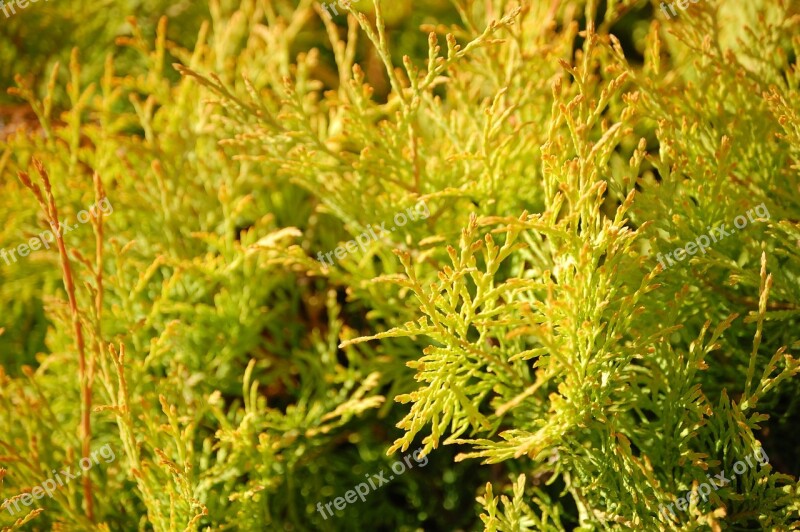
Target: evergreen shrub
{"x": 522, "y": 338}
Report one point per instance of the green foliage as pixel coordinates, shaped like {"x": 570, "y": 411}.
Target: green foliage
{"x": 524, "y": 333}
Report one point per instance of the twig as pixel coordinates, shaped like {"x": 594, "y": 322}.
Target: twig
{"x": 51, "y": 212}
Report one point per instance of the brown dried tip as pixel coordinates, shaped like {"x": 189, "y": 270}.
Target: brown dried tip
{"x": 25, "y": 178}
{"x": 43, "y": 173}
{"x": 98, "y": 185}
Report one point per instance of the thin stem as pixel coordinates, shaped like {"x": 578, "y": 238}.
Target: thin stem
{"x": 51, "y": 211}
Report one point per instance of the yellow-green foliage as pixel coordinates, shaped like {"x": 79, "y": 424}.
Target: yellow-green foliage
{"x": 525, "y": 334}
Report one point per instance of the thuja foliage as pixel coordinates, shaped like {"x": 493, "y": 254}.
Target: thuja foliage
{"x": 524, "y": 334}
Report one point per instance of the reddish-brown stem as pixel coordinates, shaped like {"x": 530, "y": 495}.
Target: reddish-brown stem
{"x": 49, "y": 207}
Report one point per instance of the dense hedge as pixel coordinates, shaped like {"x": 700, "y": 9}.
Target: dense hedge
{"x": 423, "y": 266}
